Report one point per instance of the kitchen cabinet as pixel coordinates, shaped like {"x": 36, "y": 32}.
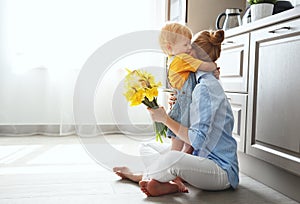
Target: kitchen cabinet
{"x": 274, "y": 93}
{"x": 234, "y": 63}
{"x": 260, "y": 73}
{"x": 234, "y": 78}
{"x": 238, "y": 104}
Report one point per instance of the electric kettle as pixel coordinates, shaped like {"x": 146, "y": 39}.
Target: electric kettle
{"x": 232, "y": 19}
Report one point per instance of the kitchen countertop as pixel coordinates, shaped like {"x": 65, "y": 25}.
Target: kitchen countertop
{"x": 271, "y": 20}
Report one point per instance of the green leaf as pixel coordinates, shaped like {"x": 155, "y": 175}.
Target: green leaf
{"x": 251, "y": 2}
{"x": 160, "y": 130}
{"x": 147, "y": 102}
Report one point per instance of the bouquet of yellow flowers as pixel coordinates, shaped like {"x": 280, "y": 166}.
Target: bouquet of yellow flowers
{"x": 140, "y": 88}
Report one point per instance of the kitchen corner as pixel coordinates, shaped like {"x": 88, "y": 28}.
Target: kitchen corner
{"x": 260, "y": 74}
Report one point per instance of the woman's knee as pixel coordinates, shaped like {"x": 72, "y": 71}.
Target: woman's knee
{"x": 172, "y": 158}
{"x": 151, "y": 148}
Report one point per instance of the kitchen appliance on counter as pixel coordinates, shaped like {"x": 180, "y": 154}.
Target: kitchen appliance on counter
{"x": 247, "y": 16}
{"x": 232, "y": 19}
{"x": 279, "y": 6}
{"x": 282, "y": 6}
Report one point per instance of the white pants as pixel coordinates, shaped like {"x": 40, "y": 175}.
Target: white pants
{"x": 164, "y": 165}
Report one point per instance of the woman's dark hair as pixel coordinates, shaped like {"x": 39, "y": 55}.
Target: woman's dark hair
{"x": 207, "y": 44}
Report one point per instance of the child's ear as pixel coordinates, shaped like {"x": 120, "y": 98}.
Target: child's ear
{"x": 169, "y": 47}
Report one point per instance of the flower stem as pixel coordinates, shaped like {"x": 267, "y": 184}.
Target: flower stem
{"x": 160, "y": 128}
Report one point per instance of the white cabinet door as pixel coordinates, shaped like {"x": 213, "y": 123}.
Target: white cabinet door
{"x": 234, "y": 63}
{"x": 274, "y": 95}
{"x": 238, "y": 104}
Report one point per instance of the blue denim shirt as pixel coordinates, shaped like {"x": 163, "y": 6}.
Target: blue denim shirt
{"x": 211, "y": 119}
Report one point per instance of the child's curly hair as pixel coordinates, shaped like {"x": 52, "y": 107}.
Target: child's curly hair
{"x": 171, "y": 32}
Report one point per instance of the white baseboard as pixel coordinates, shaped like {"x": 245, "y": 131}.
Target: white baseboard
{"x": 270, "y": 175}
{"x": 82, "y": 130}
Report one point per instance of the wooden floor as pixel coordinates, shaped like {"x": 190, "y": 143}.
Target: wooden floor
{"x": 41, "y": 169}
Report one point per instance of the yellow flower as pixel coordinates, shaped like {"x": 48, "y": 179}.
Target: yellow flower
{"x": 132, "y": 80}
{"x": 137, "y": 98}
{"x": 129, "y": 94}
{"x": 151, "y": 93}
{"x": 140, "y": 88}
{"x": 140, "y": 84}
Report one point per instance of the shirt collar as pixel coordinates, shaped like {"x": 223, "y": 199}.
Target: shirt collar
{"x": 170, "y": 59}
{"x": 200, "y": 73}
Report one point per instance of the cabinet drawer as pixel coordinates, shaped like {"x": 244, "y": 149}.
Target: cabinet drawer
{"x": 234, "y": 63}
{"x": 278, "y": 31}
{"x": 238, "y": 104}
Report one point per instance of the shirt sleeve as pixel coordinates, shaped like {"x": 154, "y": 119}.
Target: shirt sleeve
{"x": 188, "y": 63}
{"x": 180, "y": 69}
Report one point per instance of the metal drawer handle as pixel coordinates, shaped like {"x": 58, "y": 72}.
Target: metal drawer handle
{"x": 228, "y": 42}
{"x": 282, "y": 28}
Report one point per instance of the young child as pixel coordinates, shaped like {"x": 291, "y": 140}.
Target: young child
{"x": 175, "y": 41}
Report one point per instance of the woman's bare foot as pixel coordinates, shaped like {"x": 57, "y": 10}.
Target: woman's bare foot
{"x": 155, "y": 188}
{"x": 181, "y": 187}
{"x": 125, "y": 173}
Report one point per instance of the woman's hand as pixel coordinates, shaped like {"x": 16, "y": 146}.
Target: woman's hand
{"x": 158, "y": 114}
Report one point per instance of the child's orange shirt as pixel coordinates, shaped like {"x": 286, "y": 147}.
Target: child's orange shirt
{"x": 180, "y": 68}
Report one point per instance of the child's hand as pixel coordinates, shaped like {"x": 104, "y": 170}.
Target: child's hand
{"x": 217, "y": 73}
{"x": 172, "y": 100}
{"x": 215, "y": 65}
{"x": 158, "y": 114}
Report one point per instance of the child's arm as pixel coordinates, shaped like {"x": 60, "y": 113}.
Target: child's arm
{"x": 189, "y": 63}
{"x": 187, "y": 148}
{"x": 176, "y": 144}
{"x": 207, "y": 66}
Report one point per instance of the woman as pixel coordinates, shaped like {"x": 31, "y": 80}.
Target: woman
{"x": 213, "y": 164}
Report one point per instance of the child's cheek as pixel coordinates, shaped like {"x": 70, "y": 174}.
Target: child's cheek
{"x": 193, "y": 53}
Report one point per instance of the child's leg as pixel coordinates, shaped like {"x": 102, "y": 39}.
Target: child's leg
{"x": 177, "y": 144}
{"x": 187, "y": 148}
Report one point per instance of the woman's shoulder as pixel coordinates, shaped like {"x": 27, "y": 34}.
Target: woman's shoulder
{"x": 210, "y": 84}
{"x": 206, "y": 77}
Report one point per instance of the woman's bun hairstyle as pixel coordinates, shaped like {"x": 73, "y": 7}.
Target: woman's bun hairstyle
{"x": 217, "y": 37}
{"x": 207, "y": 44}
